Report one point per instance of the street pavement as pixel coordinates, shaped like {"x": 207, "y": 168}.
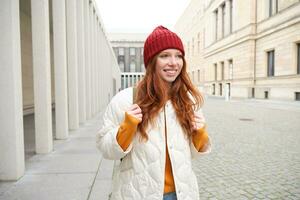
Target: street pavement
{"x": 255, "y": 155}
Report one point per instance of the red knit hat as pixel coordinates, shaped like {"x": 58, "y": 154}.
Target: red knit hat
{"x": 160, "y": 39}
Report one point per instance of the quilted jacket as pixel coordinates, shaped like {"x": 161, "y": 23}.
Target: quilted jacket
{"x": 140, "y": 175}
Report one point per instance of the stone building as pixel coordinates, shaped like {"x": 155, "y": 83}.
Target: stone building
{"x": 128, "y": 48}
{"x": 243, "y": 49}
{"x": 54, "y": 57}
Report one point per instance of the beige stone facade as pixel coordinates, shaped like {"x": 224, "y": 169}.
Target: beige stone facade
{"x": 246, "y": 49}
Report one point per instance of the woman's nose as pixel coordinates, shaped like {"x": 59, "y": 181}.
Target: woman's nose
{"x": 172, "y": 60}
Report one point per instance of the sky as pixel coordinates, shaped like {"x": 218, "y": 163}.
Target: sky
{"x": 140, "y": 16}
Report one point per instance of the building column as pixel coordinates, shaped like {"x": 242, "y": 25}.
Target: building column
{"x": 92, "y": 59}
{"x": 41, "y": 75}
{"x": 226, "y": 69}
{"x": 12, "y": 163}
{"x": 95, "y": 60}
{"x": 128, "y": 80}
{"x": 81, "y": 61}
{"x": 72, "y": 64}
{"x": 214, "y": 28}
{"x": 220, "y": 21}
{"x": 227, "y": 18}
{"x": 60, "y": 69}
{"x": 101, "y": 68}
{"x": 88, "y": 58}
{"x": 97, "y": 65}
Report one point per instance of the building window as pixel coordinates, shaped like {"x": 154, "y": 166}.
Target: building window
{"x": 222, "y": 70}
{"x": 230, "y": 23}
{"x": 122, "y": 82}
{"x": 297, "y": 96}
{"x": 130, "y": 81}
{"x": 230, "y": 69}
{"x": 134, "y": 79}
{"x": 132, "y": 66}
{"x": 223, "y": 19}
{"x": 132, "y": 51}
{"x": 216, "y": 25}
{"x": 270, "y": 62}
{"x": 122, "y": 66}
{"x": 266, "y": 94}
{"x": 216, "y": 71}
{"x": 273, "y": 7}
{"x": 198, "y": 75}
{"x": 193, "y": 75}
{"x": 121, "y": 51}
{"x": 126, "y": 81}
{"x": 298, "y": 58}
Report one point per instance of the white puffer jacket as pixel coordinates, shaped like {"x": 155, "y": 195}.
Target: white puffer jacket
{"x": 142, "y": 170}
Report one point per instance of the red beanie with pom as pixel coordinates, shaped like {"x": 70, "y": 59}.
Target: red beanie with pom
{"x": 160, "y": 39}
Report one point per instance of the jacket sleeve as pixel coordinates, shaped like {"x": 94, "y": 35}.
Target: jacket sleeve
{"x": 106, "y": 138}
{"x": 203, "y": 135}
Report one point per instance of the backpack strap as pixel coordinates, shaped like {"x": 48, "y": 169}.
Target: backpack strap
{"x": 134, "y": 95}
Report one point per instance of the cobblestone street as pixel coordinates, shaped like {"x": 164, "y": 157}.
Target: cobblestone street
{"x": 256, "y": 152}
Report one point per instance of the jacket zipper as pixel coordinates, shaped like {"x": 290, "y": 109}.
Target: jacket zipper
{"x": 167, "y": 146}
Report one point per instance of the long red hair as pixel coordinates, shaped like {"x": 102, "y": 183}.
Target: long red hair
{"x": 152, "y": 94}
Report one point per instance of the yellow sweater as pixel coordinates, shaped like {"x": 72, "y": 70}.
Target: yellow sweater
{"x": 126, "y": 134}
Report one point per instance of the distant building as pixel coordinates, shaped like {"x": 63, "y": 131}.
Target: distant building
{"x": 246, "y": 49}
{"x": 128, "y": 48}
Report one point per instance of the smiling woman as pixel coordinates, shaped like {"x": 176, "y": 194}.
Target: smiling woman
{"x": 156, "y": 135}
{"x": 169, "y": 64}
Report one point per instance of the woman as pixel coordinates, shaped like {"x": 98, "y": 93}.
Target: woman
{"x": 156, "y": 136}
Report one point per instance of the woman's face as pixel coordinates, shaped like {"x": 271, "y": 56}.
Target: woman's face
{"x": 169, "y": 64}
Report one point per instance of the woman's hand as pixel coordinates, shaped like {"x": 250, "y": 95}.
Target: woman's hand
{"x": 199, "y": 122}
{"x": 135, "y": 111}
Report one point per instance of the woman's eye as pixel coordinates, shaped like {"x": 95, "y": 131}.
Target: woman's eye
{"x": 179, "y": 56}
{"x": 163, "y": 55}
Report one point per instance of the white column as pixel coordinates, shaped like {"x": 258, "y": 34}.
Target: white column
{"x": 98, "y": 68}
{"x": 92, "y": 59}
{"x": 129, "y": 80}
{"x": 60, "y": 68}
{"x": 213, "y": 27}
{"x": 88, "y": 58}
{"x": 219, "y": 22}
{"x": 72, "y": 64}
{"x": 41, "y": 75}
{"x": 81, "y": 61}
{"x": 11, "y": 112}
{"x": 95, "y": 62}
{"x": 227, "y": 17}
{"x": 96, "y": 65}
{"x": 101, "y": 69}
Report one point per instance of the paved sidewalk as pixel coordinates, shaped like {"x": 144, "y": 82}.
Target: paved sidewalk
{"x": 255, "y": 153}
{"x": 75, "y": 170}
